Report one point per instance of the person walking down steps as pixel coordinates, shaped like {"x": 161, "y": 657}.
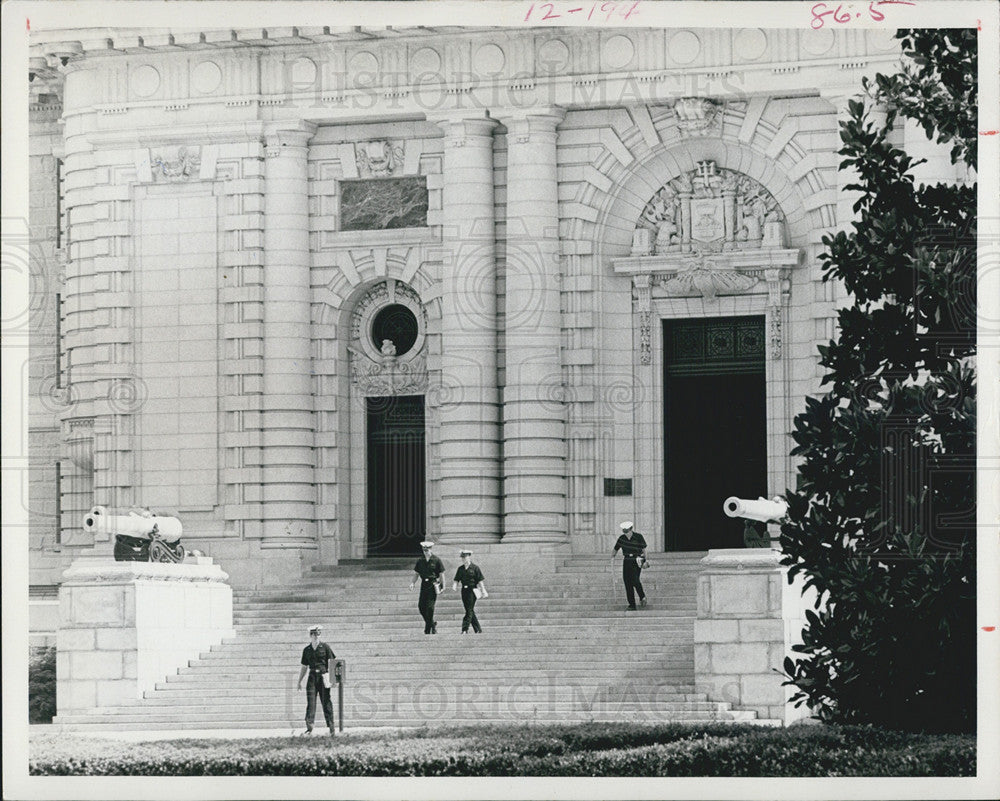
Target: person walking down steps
{"x": 429, "y": 570}
{"x": 316, "y": 658}
{"x": 633, "y": 548}
{"x": 471, "y": 579}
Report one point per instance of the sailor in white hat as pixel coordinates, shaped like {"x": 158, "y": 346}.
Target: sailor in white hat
{"x": 470, "y": 578}
{"x": 633, "y": 548}
{"x": 316, "y": 658}
{"x": 429, "y": 570}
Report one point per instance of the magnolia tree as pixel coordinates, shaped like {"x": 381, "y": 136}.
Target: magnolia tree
{"x": 882, "y": 521}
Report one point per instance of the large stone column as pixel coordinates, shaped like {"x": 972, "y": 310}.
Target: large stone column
{"x": 470, "y": 405}
{"x": 288, "y": 492}
{"x": 534, "y": 414}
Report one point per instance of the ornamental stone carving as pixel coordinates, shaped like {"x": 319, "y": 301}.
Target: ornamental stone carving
{"x": 184, "y": 164}
{"x": 388, "y": 375}
{"x": 709, "y": 210}
{"x": 697, "y": 116}
{"x": 699, "y": 274}
{"x": 376, "y": 369}
{"x": 378, "y": 158}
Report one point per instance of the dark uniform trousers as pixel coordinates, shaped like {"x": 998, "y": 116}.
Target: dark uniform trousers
{"x": 469, "y": 602}
{"x": 428, "y": 597}
{"x": 630, "y": 575}
{"x": 313, "y": 686}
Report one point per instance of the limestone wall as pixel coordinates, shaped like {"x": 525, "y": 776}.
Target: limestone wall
{"x": 187, "y": 267}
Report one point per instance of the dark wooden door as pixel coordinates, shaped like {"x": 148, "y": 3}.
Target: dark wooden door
{"x": 396, "y": 475}
{"x": 715, "y": 436}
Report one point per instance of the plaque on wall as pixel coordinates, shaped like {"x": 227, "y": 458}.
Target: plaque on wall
{"x": 377, "y": 204}
{"x": 617, "y": 486}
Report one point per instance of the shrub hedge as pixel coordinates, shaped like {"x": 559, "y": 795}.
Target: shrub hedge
{"x": 582, "y": 750}
{"x": 41, "y": 684}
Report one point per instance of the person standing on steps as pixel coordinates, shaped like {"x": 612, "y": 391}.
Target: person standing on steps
{"x": 633, "y": 548}
{"x": 316, "y": 658}
{"x": 470, "y": 577}
{"x": 429, "y": 570}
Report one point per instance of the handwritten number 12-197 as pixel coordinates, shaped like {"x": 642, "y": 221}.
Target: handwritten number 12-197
{"x": 625, "y": 10}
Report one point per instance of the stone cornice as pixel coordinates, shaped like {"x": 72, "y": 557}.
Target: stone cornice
{"x": 740, "y": 559}
{"x": 106, "y": 570}
{"x": 741, "y": 260}
{"x": 345, "y": 75}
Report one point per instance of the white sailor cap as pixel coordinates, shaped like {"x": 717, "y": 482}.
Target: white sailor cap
{"x": 427, "y": 544}
{"x": 315, "y": 629}
{"x": 626, "y": 525}
{"x": 466, "y": 553}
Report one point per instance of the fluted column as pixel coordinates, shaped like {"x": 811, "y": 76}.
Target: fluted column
{"x": 288, "y": 494}
{"x": 470, "y": 407}
{"x": 534, "y": 413}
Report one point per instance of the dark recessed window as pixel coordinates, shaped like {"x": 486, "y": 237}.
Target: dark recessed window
{"x": 397, "y": 324}
{"x": 380, "y": 203}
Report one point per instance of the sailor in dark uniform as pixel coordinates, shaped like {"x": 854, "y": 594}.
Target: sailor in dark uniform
{"x": 429, "y": 570}
{"x": 633, "y": 548}
{"x": 316, "y": 658}
{"x": 469, "y": 577}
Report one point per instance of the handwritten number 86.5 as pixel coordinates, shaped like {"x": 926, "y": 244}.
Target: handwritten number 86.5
{"x": 820, "y": 12}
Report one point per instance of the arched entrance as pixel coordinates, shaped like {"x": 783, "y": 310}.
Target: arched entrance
{"x": 388, "y": 421}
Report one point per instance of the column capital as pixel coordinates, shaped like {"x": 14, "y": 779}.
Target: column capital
{"x": 280, "y": 137}
{"x": 459, "y": 128}
{"x": 535, "y": 124}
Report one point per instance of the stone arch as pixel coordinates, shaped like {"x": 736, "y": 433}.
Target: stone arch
{"x": 630, "y": 169}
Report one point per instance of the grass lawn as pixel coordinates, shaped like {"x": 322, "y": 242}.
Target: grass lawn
{"x": 588, "y": 749}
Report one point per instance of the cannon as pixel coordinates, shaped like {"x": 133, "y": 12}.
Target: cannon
{"x": 139, "y": 536}
{"x": 761, "y": 510}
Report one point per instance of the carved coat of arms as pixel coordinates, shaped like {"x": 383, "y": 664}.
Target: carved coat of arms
{"x": 711, "y": 210}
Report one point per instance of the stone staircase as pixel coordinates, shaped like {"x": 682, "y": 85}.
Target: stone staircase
{"x": 555, "y": 648}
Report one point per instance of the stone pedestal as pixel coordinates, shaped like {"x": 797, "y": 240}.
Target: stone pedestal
{"x": 124, "y": 626}
{"x": 748, "y": 619}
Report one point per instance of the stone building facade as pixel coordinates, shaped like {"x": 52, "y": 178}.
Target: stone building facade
{"x": 322, "y": 293}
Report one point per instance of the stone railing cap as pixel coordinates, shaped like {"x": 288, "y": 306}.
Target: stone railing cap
{"x": 87, "y": 570}
{"x": 742, "y": 558}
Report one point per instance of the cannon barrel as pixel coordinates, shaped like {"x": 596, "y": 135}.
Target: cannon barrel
{"x": 98, "y": 521}
{"x": 761, "y": 509}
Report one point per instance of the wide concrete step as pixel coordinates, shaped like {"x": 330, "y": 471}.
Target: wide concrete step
{"x": 429, "y": 706}
{"x": 474, "y": 717}
{"x": 172, "y": 694}
{"x": 669, "y": 670}
{"x": 592, "y": 628}
{"x": 554, "y": 610}
{"x": 400, "y": 583}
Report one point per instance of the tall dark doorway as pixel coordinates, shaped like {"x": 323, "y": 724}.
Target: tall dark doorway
{"x": 715, "y": 440}
{"x": 396, "y": 475}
